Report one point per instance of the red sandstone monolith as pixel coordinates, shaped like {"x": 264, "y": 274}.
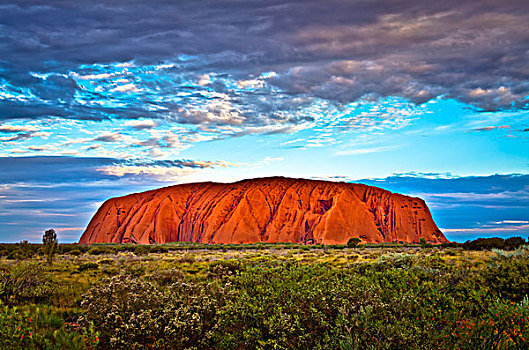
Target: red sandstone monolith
{"x": 263, "y": 210}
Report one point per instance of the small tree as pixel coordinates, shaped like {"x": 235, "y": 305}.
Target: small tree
{"x": 50, "y": 245}
{"x": 25, "y": 250}
{"x": 353, "y": 242}
{"x": 424, "y": 244}
{"x": 514, "y": 243}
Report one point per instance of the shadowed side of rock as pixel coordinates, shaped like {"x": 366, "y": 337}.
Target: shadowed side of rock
{"x": 263, "y": 210}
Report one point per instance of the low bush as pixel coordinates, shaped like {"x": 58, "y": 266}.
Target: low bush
{"x": 353, "y": 242}
{"x": 507, "y": 276}
{"x": 167, "y": 277}
{"x": 391, "y": 298}
{"x": 110, "y": 270}
{"x": 158, "y": 249}
{"x": 106, "y": 261}
{"x": 88, "y": 266}
{"x": 222, "y": 268}
{"x": 141, "y": 250}
{"x": 134, "y": 270}
{"x": 25, "y": 282}
{"x": 130, "y": 312}
{"x": 99, "y": 250}
{"x": 75, "y": 252}
{"x": 41, "y": 328}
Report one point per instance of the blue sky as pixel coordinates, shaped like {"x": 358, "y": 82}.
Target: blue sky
{"x": 99, "y": 99}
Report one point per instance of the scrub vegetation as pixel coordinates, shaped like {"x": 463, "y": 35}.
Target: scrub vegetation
{"x": 266, "y": 296}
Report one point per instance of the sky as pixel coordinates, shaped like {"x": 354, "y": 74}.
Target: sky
{"x": 104, "y": 98}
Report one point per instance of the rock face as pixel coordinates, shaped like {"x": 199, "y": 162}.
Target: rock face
{"x": 263, "y": 210}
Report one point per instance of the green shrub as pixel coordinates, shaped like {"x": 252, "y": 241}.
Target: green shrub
{"x": 25, "y": 282}
{"x": 159, "y": 249}
{"x": 494, "y": 243}
{"x": 106, "y": 261}
{"x": 353, "y": 242}
{"x": 15, "y": 255}
{"x": 186, "y": 259}
{"x": 167, "y": 277}
{"x": 26, "y": 250}
{"x": 40, "y": 328}
{"x": 99, "y": 250}
{"x": 223, "y": 268}
{"x": 502, "y": 326}
{"x": 282, "y": 305}
{"x": 110, "y": 270}
{"x": 508, "y": 276}
{"x": 395, "y": 261}
{"x": 134, "y": 270}
{"x": 75, "y": 252}
{"x": 130, "y": 312}
{"x": 141, "y": 250}
{"x": 68, "y": 248}
{"x": 88, "y": 266}
{"x": 514, "y": 243}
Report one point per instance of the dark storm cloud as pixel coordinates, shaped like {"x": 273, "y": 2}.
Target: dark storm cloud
{"x": 473, "y": 51}
{"x": 16, "y": 109}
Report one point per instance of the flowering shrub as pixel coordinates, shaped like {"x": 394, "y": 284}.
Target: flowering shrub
{"x": 130, "y": 312}
{"x": 503, "y": 326}
{"x": 508, "y": 275}
{"x": 41, "y": 328}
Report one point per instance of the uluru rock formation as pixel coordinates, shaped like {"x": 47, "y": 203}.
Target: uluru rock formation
{"x": 263, "y": 210}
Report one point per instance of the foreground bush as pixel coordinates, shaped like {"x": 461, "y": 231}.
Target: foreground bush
{"x": 384, "y": 298}
{"x": 132, "y": 313}
{"x": 508, "y": 275}
{"x": 25, "y": 282}
{"x": 399, "y": 302}
{"x": 41, "y": 328}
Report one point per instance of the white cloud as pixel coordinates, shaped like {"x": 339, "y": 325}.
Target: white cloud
{"x": 109, "y": 137}
{"x": 268, "y": 160}
{"x": 359, "y": 151}
{"x": 164, "y": 173}
{"x": 141, "y": 124}
{"x": 127, "y": 88}
{"x": 158, "y": 172}
{"x": 519, "y": 222}
{"x": 17, "y": 151}
{"x": 17, "y": 128}
{"x": 204, "y": 80}
{"x": 485, "y": 229}
{"x": 94, "y": 76}
{"x": 251, "y": 83}
{"x": 292, "y": 141}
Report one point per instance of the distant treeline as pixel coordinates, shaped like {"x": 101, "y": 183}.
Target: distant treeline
{"x": 494, "y": 243}
{"x": 25, "y": 250}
